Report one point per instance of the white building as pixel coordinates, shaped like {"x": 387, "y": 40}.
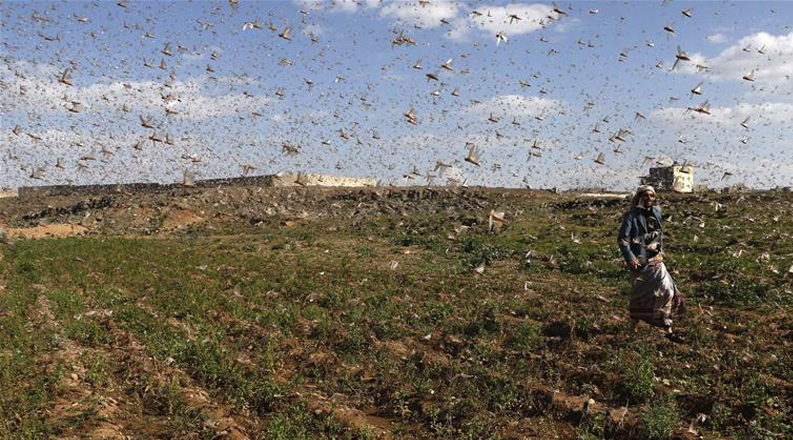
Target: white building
{"x": 311, "y": 179}
{"x": 677, "y": 178}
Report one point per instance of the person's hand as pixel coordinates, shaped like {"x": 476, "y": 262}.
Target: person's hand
{"x": 634, "y": 264}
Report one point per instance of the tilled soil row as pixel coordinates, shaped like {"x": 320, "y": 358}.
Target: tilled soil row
{"x": 337, "y": 406}
{"x": 113, "y": 411}
{"x": 77, "y": 398}
{"x": 620, "y": 422}
{"x": 128, "y": 352}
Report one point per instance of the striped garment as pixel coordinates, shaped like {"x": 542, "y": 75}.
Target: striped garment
{"x": 654, "y": 298}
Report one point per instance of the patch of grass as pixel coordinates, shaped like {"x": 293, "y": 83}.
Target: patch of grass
{"x": 766, "y": 414}
{"x": 482, "y": 250}
{"x": 19, "y": 406}
{"x": 295, "y": 422}
{"x": 29, "y": 271}
{"x": 87, "y": 332}
{"x": 444, "y": 352}
{"x": 740, "y": 292}
{"x": 82, "y": 421}
{"x": 366, "y": 251}
{"x": 639, "y": 382}
{"x": 591, "y": 427}
{"x": 659, "y": 418}
{"x": 424, "y": 241}
{"x": 524, "y": 335}
{"x": 210, "y": 363}
{"x": 165, "y": 398}
{"x": 25, "y": 389}
{"x": 96, "y": 371}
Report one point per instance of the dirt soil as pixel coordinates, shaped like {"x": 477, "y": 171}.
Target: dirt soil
{"x": 53, "y": 230}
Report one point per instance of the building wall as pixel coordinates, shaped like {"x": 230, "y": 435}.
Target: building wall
{"x": 676, "y": 178}
{"x": 308, "y": 179}
{"x": 683, "y": 179}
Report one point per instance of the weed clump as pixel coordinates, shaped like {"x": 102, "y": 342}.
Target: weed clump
{"x": 524, "y": 335}
{"x": 592, "y": 427}
{"x": 482, "y": 250}
{"x": 640, "y": 380}
{"x": 659, "y": 419}
{"x": 28, "y": 271}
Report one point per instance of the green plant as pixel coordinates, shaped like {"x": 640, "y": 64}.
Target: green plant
{"x": 524, "y": 335}
{"x": 591, "y": 427}
{"x": 29, "y": 271}
{"x": 742, "y": 292}
{"x": 640, "y": 380}
{"x": 96, "y": 372}
{"x": 659, "y": 419}
{"x": 87, "y": 331}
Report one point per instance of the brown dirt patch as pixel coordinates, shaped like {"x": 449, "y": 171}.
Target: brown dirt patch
{"x": 77, "y": 396}
{"x": 55, "y": 230}
{"x": 179, "y": 218}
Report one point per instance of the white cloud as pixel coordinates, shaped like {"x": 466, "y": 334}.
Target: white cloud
{"x": 769, "y": 112}
{"x": 773, "y": 67}
{"x": 495, "y": 19}
{"x": 461, "y": 29}
{"x": 310, "y": 5}
{"x": 123, "y": 165}
{"x": 716, "y": 38}
{"x": 197, "y": 56}
{"x": 516, "y": 105}
{"x": 348, "y": 6}
{"x": 345, "y": 5}
{"x": 425, "y": 15}
{"x": 490, "y": 20}
{"x": 717, "y": 142}
{"x": 313, "y": 29}
{"x": 567, "y": 24}
{"x": 45, "y": 96}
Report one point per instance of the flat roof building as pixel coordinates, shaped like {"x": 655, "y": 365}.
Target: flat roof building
{"x": 675, "y": 177}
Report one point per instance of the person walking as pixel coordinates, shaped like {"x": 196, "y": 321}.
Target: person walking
{"x": 654, "y": 297}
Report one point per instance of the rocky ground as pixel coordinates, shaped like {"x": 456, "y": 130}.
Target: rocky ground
{"x": 149, "y": 214}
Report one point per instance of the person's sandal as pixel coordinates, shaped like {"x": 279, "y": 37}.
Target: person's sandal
{"x": 674, "y": 337}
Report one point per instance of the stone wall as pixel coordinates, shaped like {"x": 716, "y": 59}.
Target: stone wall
{"x": 67, "y": 190}
{"x": 281, "y": 179}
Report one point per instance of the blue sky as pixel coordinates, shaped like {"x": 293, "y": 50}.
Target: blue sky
{"x": 338, "y": 89}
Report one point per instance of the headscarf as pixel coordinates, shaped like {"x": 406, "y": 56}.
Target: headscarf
{"x": 640, "y": 191}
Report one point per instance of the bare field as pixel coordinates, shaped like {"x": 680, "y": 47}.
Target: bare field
{"x": 301, "y": 313}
